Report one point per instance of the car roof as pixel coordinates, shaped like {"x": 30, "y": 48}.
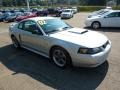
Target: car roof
{"x": 111, "y": 11}
{"x": 40, "y": 18}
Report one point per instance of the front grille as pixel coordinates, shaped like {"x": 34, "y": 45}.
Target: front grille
{"x": 64, "y": 14}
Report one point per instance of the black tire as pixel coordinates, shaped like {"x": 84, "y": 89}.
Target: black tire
{"x": 63, "y": 61}
{"x": 4, "y": 20}
{"x": 96, "y": 25}
{"x": 72, "y": 16}
{"x": 15, "y": 42}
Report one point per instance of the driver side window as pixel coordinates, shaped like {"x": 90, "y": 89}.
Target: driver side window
{"x": 114, "y": 14}
{"x": 30, "y": 26}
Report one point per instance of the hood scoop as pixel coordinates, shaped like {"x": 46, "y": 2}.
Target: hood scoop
{"x": 78, "y": 32}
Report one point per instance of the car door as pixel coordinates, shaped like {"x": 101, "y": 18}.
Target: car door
{"x": 118, "y": 20}
{"x": 32, "y": 37}
{"x": 112, "y": 20}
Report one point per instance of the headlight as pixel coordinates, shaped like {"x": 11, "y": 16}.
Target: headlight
{"x": 90, "y": 50}
{"x": 67, "y": 14}
{"x": 89, "y": 16}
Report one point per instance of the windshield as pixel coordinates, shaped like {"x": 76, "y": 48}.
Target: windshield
{"x": 53, "y": 25}
{"x": 102, "y": 12}
{"x": 67, "y": 11}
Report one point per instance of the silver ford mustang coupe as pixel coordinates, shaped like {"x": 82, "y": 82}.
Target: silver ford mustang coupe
{"x": 65, "y": 45}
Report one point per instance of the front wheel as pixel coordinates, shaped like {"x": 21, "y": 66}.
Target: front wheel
{"x": 96, "y": 25}
{"x": 60, "y": 57}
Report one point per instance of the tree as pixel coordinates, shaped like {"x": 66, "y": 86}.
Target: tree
{"x": 62, "y": 2}
{"x": 7, "y": 2}
{"x": 92, "y": 2}
{"x": 96, "y": 2}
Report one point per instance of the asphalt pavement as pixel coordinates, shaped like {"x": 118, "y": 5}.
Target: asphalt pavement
{"x": 21, "y": 69}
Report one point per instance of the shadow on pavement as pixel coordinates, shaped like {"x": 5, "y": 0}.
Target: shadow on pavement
{"x": 108, "y": 29}
{"x": 43, "y": 70}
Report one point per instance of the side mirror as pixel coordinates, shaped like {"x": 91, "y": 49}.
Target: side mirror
{"x": 37, "y": 32}
{"x": 105, "y": 16}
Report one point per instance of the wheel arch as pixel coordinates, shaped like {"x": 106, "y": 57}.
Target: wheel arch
{"x": 12, "y": 35}
{"x": 16, "y": 36}
{"x": 13, "y": 38}
{"x": 96, "y": 21}
{"x": 70, "y": 59}
{"x": 54, "y": 46}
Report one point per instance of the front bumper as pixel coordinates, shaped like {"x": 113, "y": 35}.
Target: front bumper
{"x": 88, "y": 23}
{"x": 84, "y": 60}
{"x": 66, "y": 16}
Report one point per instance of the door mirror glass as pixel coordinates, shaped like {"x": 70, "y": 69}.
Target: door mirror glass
{"x": 105, "y": 16}
{"x": 36, "y": 31}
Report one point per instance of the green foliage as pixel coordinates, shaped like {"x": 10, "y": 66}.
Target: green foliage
{"x": 80, "y": 8}
{"x": 92, "y": 2}
{"x": 116, "y": 8}
{"x": 89, "y": 8}
{"x": 93, "y": 8}
{"x": 57, "y": 2}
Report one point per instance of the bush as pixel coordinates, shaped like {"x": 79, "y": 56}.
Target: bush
{"x": 93, "y": 8}
{"x": 116, "y": 8}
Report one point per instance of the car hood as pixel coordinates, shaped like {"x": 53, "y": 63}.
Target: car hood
{"x": 66, "y": 13}
{"x": 82, "y": 37}
{"x": 94, "y": 16}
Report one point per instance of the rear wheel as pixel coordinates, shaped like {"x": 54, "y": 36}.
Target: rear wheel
{"x": 15, "y": 42}
{"x": 96, "y": 25}
{"x": 4, "y": 20}
{"x": 60, "y": 57}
